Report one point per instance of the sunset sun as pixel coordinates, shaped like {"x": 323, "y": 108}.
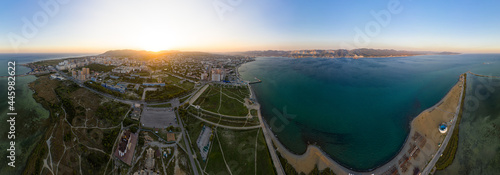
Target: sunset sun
{"x": 156, "y": 40}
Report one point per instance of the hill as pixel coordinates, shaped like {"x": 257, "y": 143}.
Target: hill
{"x": 342, "y": 53}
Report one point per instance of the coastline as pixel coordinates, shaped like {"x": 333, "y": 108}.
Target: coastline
{"x": 352, "y": 57}
{"x": 314, "y": 156}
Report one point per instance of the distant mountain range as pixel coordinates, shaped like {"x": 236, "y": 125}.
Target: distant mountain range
{"x": 341, "y": 53}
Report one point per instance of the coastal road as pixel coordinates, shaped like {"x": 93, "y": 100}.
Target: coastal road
{"x": 267, "y": 136}
{"x": 269, "y": 143}
{"x": 436, "y": 157}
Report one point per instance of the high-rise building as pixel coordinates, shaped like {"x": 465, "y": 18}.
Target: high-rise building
{"x": 86, "y": 71}
{"x": 204, "y": 76}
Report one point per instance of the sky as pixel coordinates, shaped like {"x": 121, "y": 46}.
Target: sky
{"x": 95, "y": 26}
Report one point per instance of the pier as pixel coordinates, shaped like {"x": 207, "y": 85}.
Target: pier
{"x": 482, "y": 75}
{"x": 256, "y": 81}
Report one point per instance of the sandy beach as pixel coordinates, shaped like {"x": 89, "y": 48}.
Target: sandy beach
{"x": 419, "y": 148}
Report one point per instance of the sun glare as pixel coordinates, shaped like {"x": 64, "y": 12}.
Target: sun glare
{"x": 157, "y": 40}
{"x": 156, "y": 44}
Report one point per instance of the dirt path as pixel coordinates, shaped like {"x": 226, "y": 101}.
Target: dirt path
{"x": 256, "y": 139}
{"x": 222, "y": 151}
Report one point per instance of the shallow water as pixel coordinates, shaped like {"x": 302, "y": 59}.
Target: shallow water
{"x": 479, "y": 135}
{"x": 30, "y": 113}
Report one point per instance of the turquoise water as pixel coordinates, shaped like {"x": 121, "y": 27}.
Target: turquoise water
{"x": 30, "y": 113}
{"x": 357, "y": 111}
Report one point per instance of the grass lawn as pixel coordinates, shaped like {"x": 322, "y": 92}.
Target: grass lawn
{"x": 253, "y": 112}
{"x": 209, "y": 100}
{"x": 172, "y": 79}
{"x": 237, "y": 92}
{"x": 264, "y": 162}
{"x": 164, "y": 93}
{"x": 230, "y": 101}
{"x": 239, "y": 150}
{"x": 187, "y": 85}
{"x": 232, "y": 107}
{"x": 216, "y": 163}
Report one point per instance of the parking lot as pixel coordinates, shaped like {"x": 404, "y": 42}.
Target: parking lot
{"x": 158, "y": 118}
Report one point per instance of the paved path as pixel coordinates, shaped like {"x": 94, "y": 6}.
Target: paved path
{"x": 269, "y": 143}
{"x": 431, "y": 164}
{"x": 197, "y": 95}
{"x": 161, "y": 145}
{"x": 146, "y": 90}
{"x": 188, "y": 147}
{"x": 224, "y": 126}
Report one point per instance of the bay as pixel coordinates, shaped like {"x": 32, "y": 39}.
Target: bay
{"x": 357, "y": 111}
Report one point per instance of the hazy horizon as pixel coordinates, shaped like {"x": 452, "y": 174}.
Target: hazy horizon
{"x": 64, "y": 26}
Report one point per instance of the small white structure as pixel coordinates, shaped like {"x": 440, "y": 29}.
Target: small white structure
{"x": 443, "y": 128}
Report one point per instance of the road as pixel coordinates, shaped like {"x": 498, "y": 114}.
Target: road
{"x": 268, "y": 136}
{"x": 269, "y": 143}
{"x": 131, "y": 102}
{"x": 173, "y": 101}
{"x": 188, "y": 147}
{"x": 274, "y": 157}
{"x": 436, "y": 157}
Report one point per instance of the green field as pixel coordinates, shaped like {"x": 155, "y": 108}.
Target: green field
{"x": 238, "y": 151}
{"x": 112, "y": 112}
{"x": 165, "y": 93}
{"x": 253, "y": 112}
{"x": 186, "y": 85}
{"x": 224, "y": 100}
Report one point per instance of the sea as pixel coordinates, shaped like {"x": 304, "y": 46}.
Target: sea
{"x": 30, "y": 114}
{"x": 358, "y": 111}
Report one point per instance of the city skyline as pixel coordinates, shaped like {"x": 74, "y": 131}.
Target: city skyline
{"x": 51, "y": 26}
